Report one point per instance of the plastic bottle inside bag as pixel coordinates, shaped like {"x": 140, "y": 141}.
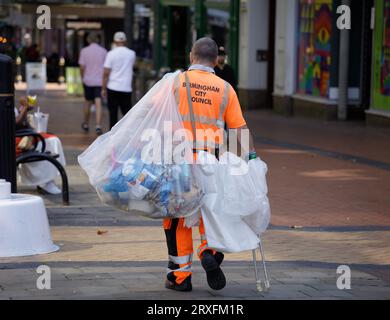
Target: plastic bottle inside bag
{"x": 165, "y": 190}
{"x": 185, "y": 177}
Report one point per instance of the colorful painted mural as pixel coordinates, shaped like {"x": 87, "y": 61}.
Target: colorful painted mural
{"x": 381, "y": 90}
{"x": 385, "y": 60}
{"x": 314, "y": 55}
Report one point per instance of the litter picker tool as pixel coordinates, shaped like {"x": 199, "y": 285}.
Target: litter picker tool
{"x": 259, "y": 284}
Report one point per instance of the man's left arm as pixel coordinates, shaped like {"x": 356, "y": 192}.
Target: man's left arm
{"x": 106, "y": 76}
{"x": 235, "y": 120}
{"x": 246, "y": 148}
{"x": 82, "y": 70}
{"x": 82, "y": 64}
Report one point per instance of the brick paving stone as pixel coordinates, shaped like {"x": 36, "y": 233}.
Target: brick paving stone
{"x": 151, "y": 285}
{"x": 351, "y": 137}
{"x": 148, "y": 244}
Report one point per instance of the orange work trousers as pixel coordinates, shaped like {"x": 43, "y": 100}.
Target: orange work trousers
{"x": 180, "y": 248}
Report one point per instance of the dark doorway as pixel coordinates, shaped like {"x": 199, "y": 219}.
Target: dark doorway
{"x": 271, "y": 53}
{"x": 366, "y": 54}
{"x": 180, "y": 19}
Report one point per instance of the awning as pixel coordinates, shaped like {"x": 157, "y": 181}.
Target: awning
{"x": 79, "y": 11}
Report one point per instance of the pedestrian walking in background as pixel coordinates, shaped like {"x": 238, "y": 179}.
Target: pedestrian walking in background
{"x": 91, "y": 63}
{"x": 223, "y": 70}
{"x": 118, "y": 77}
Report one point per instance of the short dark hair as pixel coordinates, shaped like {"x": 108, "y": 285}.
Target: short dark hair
{"x": 205, "y": 49}
{"x": 92, "y": 37}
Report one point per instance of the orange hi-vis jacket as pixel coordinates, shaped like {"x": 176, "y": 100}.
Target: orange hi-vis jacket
{"x": 215, "y": 104}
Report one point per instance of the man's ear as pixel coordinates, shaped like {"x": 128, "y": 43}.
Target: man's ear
{"x": 215, "y": 62}
{"x": 191, "y": 58}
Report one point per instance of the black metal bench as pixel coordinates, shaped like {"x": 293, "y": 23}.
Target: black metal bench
{"x": 35, "y": 155}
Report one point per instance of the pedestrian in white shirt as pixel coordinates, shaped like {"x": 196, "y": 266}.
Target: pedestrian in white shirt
{"x": 118, "y": 77}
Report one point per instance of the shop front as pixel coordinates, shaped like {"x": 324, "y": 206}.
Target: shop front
{"x": 380, "y": 103}
{"x": 311, "y": 48}
{"x": 315, "y": 47}
{"x": 60, "y": 46}
{"x": 164, "y": 30}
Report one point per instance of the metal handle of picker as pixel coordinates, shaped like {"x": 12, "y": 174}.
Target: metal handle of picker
{"x": 259, "y": 285}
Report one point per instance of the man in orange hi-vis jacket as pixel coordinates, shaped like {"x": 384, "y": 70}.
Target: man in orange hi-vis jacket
{"x": 214, "y": 103}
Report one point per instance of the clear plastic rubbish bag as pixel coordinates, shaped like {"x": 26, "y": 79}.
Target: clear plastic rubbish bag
{"x": 144, "y": 165}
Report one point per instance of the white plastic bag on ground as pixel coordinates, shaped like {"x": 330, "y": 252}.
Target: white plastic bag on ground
{"x": 138, "y": 166}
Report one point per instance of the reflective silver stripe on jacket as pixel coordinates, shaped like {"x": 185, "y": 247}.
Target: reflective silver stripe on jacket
{"x": 203, "y": 237}
{"x": 187, "y": 268}
{"x": 222, "y": 107}
{"x": 220, "y": 123}
{"x": 181, "y": 260}
{"x": 200, "y": 119}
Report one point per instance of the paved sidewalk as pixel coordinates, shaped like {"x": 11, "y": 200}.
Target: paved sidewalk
{"x": 328, "y": 180}
{"x": 128, "y": 262}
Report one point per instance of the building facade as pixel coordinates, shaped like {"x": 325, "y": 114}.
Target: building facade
{"x": 163, "y": 32}
{"x": 379, "y": 111}
{"x": 285, "y": 53}
{"x": 256, "y": 53}
{"x": 71, "y": 22}
{"x": 307, "y": 59}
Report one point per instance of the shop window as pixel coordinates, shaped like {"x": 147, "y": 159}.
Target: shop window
{"x": 218, "y": 26}
{"x": 314, "y": 51}
{"x": 385, "y": 52}
{"x": 143, "y": 31}
{"x": 381, "y": 85}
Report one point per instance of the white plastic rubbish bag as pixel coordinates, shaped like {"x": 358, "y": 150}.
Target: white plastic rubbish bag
{"x": 142, "y": 164}
{"x": 226, "y": 233}
{"x": 240, "y": 190}
{"x": 234, "y": 229}
{"x": 205, "y": 175}
{"x": 259, "y": 220}
{"x": 205, "y": 171}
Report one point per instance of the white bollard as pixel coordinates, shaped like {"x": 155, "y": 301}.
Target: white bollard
{"x": 5, "y": 189}
{"x": 24, "y": 227}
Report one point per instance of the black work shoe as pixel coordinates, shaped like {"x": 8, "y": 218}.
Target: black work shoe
{"x": 215, "y": 277}
{"x": 99, "y": 131}
{"x": 185, "y": 286}
{"x": 219, "y": 256}
{"x": 85, "y": 127}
